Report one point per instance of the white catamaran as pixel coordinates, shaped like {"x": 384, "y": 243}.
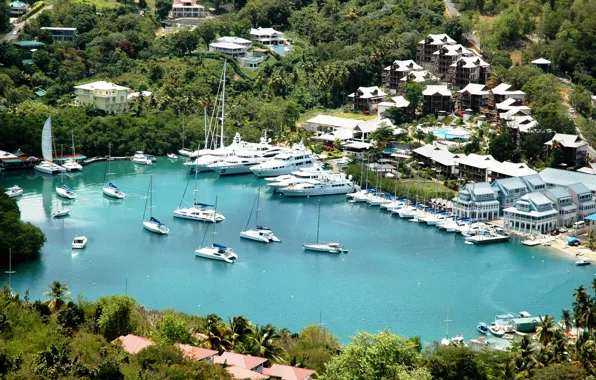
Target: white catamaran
{"x": 216, "y": 251}
{"x": 323, "y": 247}
{"x": 64, "y": 191}
{"x": 111, "y": 190}
{"x": 71, "y": 164}
{"x": 48, "y": 166}
{"x": 153, "y": 224}
{"x": 259, "y": 233}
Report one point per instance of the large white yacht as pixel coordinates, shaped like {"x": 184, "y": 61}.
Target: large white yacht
{"x": 329, "y": 185}
{"x": 202, "y": 162}
{"x": 238, "y": 164}
{"x": 141, "y": 159}
{"x": 298, "y": 176}
{"x": 285, "y": 163}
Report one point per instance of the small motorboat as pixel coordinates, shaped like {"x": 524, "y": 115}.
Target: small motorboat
{"x": 14, "y": 192}
{"x": 79, "y": 242}
{"x": 483, "y": 328}
{"x": 497, "y": 330}
{"x": 583, "y": 262}
{"x": 60, "y": 213}
{"x": 531, "y": 242}
{"x": 140, "y": 159}
{"x": 172, "y": 156}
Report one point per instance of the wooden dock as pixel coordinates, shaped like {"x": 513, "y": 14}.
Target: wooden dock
{"x": 105, "y": 158}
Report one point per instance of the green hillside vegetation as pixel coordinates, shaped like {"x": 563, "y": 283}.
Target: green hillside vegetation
{"x": 25, "y": 239}
{"x": 59, "y": 338}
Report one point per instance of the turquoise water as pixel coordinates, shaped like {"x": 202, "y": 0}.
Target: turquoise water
{"x": 442, "y": 134}
{"x": 397, "y": 274}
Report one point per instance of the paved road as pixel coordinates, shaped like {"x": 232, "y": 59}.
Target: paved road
{"x": 10, "y": 36}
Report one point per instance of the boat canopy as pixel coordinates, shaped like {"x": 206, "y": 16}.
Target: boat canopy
{"x": 112, "y": 186}
{"x": 202, "y": 204}
{"x": 152, "y": 219}
{"x": 482, "y": 324}
{"x": 66, "y": 188}
{"x": 263, "y": 228}
{"x": 505, "y": 316}
{"x": 219, "y": 246}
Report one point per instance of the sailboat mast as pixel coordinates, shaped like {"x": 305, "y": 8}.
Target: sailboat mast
{"x": 62, "y": 155}
{"x": 223, "y": 106}
{"x": 194, "y": 193}
{"x": 214, "y": 214}
{"x": 73, "y": 146}
{"x": 147, "y": 199}
{"x": 318, "y": 222}
{"x": 396, "y": 179}
{"x": 182, "y": 131}
{"x": 257, "y": 214}
{"x": 9, "y": 272}
{"x": 150, "y": 196}
{"x": 205, "y": 123}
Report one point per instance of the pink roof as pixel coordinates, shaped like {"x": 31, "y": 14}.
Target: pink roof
{"x": 133, "y": 343}
{"x": 285, "y": 372}
{"x": 244, "y": 361}
{"x": 243, "y": 373}
{"x": 195, "y": 353}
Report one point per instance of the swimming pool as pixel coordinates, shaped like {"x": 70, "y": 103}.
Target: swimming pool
{"x": 444, "y": 134}
{"x": 441, "y": 133}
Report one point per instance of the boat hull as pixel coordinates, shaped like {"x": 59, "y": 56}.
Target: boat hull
{"x": 65, "y": 194}
{"x": 46, "y": 169}
{"x": 213, "y": 254}
{"x": 199, "y": 215}
{"x": 231, "y": 169}
{"x": 72, "y": 166}
{"x": 265, "y": 172}
{"x": 113, "y": 193}
{"x": 264, "y": 236}
{"x": 146, "y": 162}
{"x": 14, "y": 193}
{"x": 322, "y": 248}
{"x": 156, "y": 228}
{"x": 76, "y": 244}
{"x": 288, "y": 192}
{"x": 60, "y": 213}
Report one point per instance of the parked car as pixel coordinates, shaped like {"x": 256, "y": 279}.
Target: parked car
{"x": 555, "y": 232}
{"x": 563, "y": 230}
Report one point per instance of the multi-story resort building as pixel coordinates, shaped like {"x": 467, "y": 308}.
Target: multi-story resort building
{"x": 426, "y": 48}
{"x": 422, "y": 76}
{"x": 446, "y": 56}
{"x": 475, "y": 167}
{"x": 509, "y": 191}
{"x": 393, "y": 74}
{"x": 468, "y": 70}
{"x": 582, "y": 197}
{"x": 563, "y": 203}
{"x": 398, "y": 102}
{"x": 473, "y": 96}
{"x": 575, "y": 149}
{"x": 506, "y": 169}
{"x": 62, "y": 34}
{"x": 187, "y": 9}
{"x": 366, "y": 98}
{"x": 533, "y": 212}
{"x": 476, "y": 201}
{"x": 436, "y": 98}
{"x": 439, "y": 158}
{"x": 105, "y": 96}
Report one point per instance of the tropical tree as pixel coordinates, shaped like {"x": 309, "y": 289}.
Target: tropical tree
{"x": 545, "y": 330}
{"x": 582, "y": 306}
{"x": 58, "y": 294}
{"x": 523, "y": 362}
{"x": 242, "y": 331}
{"x": 219, "y": 335}
{"x": 266, "y": 347}
{"x": 591, "y": 243}
{"x": 567, "y": 319}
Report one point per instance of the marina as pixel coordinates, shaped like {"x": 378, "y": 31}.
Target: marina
{"x": 418, "y": 267}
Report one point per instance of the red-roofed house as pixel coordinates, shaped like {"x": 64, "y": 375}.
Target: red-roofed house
{"x": 243, "y": 373}
{"x": 254, "y": 363}
{"x": 197, "y": 353}
{"x": 285, "y": 372}
{"x": 133, "y": 343}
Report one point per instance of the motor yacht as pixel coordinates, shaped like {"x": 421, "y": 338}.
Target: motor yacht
{"x": 240, "y": 163}
{"x": 172, "y": 156}
{"x": 299, "y": 176}
{"x": 79, "y": 242}
{"x": 61, "y": 212}
{"x": 14, "y": 191}
{"x": 329, "y": 185}
{"x": 203, "y": 162}
{"x": 285, "y": 163}
{"x": 186, "y": 152}
{"x": 217, "y": 252}
{"x": 140, "y": 159}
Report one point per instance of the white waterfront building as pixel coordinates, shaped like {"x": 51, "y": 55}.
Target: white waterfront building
{"x": 532, "y": 213}
{"x": 563, "y": 203}
{"x": 476, "y": 201}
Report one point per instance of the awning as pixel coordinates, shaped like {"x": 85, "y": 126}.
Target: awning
{"x": 572, "y": 239}
{"x": 13, "y": 161}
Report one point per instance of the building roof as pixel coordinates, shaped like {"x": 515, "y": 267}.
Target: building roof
{"x": 368, "y": 92}
{"x": 398, "y": 101}
{"x": 568, "y": 141}
{"x": 512, "y": 169}
{"x": 559, "y": 192}
{"x": 286, "y": 372}
{"x": 138, "y": 94}
{"x": 438, "y": 39}
{"x": 504, "y": 89}
{"x": 372, "y": 125}
{"x": 470, "y": 62}
{"x": 233, "y": 40}
{"x": 452, "y": 50}
{"x": 458, "y": 132}
{"x": 506, "y": 104}
{"x": 474, "y": 89}
{"x": 243, "y": 373}
{"x": 58, "y": 28}
{"x": 234, "y": 359}
{"x": 436, "y": 89}
{"x": 407, "y": 65}
{"x": 534, "y": 180}
{"x": 264, "y": 32}
{"x": 40, "y": 93}
{"x": 419, "y": 76}
{"x": 480, "y": 188}
{"x": 334, "y": 121}
{"x": 541, "y": 61}
{"x": 444, "y": 157}
{"x": 564, "y": 178}
{"x": 590, "y": 217}
{"x": 578, "y": 188}
{"x": 340, "y": 133}
{"x": 537, "y": 198}
{"x": 101, "y": 85}
{"x": 588, "y": 169}
{"x": 478, "y": 161}
{"x": 29, "y": 44}
{"x": 182, "y": 4}
{"x": 357, "y": 145}
{"x": 18, "y": 4}
{"x": 133, "y": 343}
{"x": 195, "y": 353}
{"x": 428, "y": 149}
{"x": 510, "y": 183}
{"x": 227, "y": 45}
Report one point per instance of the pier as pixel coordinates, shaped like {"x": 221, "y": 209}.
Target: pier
{"x": 96, "y": 159}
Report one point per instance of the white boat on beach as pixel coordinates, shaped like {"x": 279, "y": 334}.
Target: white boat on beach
{"x": 79, "y": 242}
{"x": 14, "y": 191}
{"x": 319, "y": 246}
{"x": 153, "y": 225}
{"x": 140, "y": 159}
{"x": 216, "y": 251}
{"x": 259, "y": 233}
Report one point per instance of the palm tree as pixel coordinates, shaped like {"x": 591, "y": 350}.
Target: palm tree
{"x": 58, "y": 294}
{"x": 242, "y": 330}
{"x": 566, "y": 319}
{"x": 581, "y": 306}
{"x": 266, "y": 337}
{"x": 218, "y": 334}
{"x": 546, "y": 330}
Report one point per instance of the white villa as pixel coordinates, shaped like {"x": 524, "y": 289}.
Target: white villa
{"x": 104, "y": 96}
{"x": 476, "y": 201}
{"x": 533, "y": 212}
{"x": 187, "y": 9}
{"x": 229, "y": 49}
{"x": 235, "y": 40}
{"x": 271, "y": 38}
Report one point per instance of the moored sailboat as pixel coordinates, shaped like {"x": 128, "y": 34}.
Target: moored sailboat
{"x": 153, "y": 225}
{"x": 259, "y": 233}
{"x": 111, "y": 190}
{"x": 48, "y": 166}
{"x": 319, "y": 246}
{"x": 216, "y": 251}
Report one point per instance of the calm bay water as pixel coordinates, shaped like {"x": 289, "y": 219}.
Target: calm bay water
{"x": 397, "y": 274}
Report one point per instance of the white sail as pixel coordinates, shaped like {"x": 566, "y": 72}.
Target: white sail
{"x": 46, "y": 140}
